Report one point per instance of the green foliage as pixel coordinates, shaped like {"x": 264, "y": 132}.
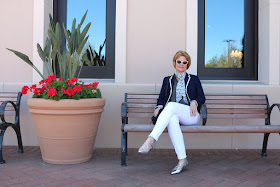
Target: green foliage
{"x": 225, "y": 60}
{"x": 93, "y": 58}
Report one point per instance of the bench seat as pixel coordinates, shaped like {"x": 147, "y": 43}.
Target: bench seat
{"x": 210, "y": 128}
{"x": 217, "y": 106}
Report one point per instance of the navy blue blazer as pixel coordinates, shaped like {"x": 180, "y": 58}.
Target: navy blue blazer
{"x": 194, "y": 90}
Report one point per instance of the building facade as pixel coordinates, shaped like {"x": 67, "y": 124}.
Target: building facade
{"x": 147, "y": 35}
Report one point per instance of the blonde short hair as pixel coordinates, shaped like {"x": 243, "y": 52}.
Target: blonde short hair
{"x": 182, "y": 53}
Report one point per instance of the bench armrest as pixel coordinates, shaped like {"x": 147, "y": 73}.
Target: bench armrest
{"x": 204, "y": 114}
{"x": 3, "y": 107}
{"x": 124, "y": 109}
{"x": 270, "y": 110}
{"x": 124, "y": 114}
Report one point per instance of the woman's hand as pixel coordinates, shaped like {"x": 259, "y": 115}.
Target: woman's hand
{"x": 193, "y": 108}
{"x": 157, "y": 110}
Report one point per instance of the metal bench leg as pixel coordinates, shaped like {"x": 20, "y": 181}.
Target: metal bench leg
{"x": 265, "y": 139}
{"x": 2, "y": 161}
{"x": 124, "y": 149}
{"x": 20, "y": 147}
{"x": 126, "y": 143}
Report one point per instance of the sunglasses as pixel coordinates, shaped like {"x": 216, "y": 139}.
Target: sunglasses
{"x": 185, "y": 62}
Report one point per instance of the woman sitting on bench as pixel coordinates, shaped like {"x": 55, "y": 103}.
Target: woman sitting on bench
{"x": 180, "y": 99}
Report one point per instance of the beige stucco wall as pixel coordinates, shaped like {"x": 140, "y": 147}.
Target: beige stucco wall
{"x": 109, "y": 132}
{"x": 155, "y": 31}
{"x": 16, "y": 18}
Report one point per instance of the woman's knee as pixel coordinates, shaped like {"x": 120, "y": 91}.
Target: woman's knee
{"x": 174, "y": 122}
{"x": 174, "y": 119}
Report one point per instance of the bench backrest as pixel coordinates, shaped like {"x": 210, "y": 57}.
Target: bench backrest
{"x": 218, "y": 106}
{"x": 10, "y": 96}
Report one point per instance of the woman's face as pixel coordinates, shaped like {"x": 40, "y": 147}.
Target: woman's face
{"x": 181, "y": 64}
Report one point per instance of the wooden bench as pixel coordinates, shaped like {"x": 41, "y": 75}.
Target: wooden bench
{"x": 218, "y": 106}
{"x": 10, "y": 105}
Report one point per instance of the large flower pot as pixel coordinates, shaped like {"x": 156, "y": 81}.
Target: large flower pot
{"x": 66, "y": 129}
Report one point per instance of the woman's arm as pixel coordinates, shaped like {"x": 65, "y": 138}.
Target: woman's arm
{"x": 200, "y": 98}
{"x": 162, "y": 95}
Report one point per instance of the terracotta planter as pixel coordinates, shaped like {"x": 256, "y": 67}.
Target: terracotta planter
{"x": 66, "y": 129}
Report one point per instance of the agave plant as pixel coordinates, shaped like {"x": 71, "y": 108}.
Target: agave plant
{"x": 71, "y": 56}
{"x": 94, "y": 58}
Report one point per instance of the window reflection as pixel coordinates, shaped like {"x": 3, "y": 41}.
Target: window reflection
{"x": 94, "y": 50}
{"x": 224, "y": 33}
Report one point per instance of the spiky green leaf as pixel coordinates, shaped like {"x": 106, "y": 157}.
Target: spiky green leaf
{"x": 41, "y": 52}
{"x": 82, "y": 45}
{"x": 84, "y": 32}
{"x": 83, "y": 19}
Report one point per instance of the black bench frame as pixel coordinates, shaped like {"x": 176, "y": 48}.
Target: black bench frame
{"x": 16, "y": 126}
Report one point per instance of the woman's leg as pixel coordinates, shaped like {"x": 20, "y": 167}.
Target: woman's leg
{"x": 176, "y": 137}
{"x": 183, "y": 116}
{"x": 172, "y": 108}
{"x": 160, "y": 125}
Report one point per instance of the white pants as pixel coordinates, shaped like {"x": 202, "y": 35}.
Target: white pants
{"x": 171, "y": 117}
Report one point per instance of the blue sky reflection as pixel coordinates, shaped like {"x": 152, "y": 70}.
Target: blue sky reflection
{"x": 96, "y": 15}
{"x": 224, "y": 20}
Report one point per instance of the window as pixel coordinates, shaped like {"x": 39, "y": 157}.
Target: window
{"x": 227, "y": 39}
{"x": 101, "y": 42}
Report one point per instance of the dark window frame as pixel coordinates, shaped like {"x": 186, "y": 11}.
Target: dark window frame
{"x": 250, "y": 68}
{"x": 99, "y": 72}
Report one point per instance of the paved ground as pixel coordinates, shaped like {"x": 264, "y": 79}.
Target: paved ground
{"x": 206, "y": 168}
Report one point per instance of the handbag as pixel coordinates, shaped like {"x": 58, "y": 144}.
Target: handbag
{"x": 154, "y": 118}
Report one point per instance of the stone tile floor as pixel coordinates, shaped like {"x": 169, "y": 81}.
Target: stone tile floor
{"x": 206, "y": 168}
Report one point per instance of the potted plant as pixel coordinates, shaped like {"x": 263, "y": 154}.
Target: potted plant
{"x": 66, "y": 112}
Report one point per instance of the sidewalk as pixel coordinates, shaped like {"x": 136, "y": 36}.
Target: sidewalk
{"x": 206, "y": 168}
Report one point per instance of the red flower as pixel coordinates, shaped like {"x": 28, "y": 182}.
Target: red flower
{"x": 51, "y": 91}
{"x": 41, "y": 82}
{"x": 74, "y": 79}
{"x": 63, "y": 91}
{"x": 24, "y": 90}
{"x": 70, "y": 91}
{"x": 33, "y": 87}
{"x": 71, "y": 88}
{"x": 49, "y": 79}
{"x": 61, "y": 78}
{"x": 52, "y": 77}
{"x": 43, "y": 88}
{"x": 69, "y": 81}
{"x": 77, "y": 88}
{"x": 93, "y": 85}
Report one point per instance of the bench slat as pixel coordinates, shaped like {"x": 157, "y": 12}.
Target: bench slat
{"x": 145, "y": 110}
{"x": 243, "y": 102}
{"x": 236, "y": 106}
{"x": 10, "y": 113}
{"x": 139, "y": 96}
{"x": 225, "y": 116}
{"x": 2, "y": 99}
{"x": 140, "y": 115}
{"x": 153, "y": 101}
{"x": 209, "y": 111}
{"x": 8, "y": 94}
{"x": 210, "y": 128}
{"x": 141, "y": 105}
{"x": 236, "y": 111}
{"x": 9, "y": 108}
{"x": 245, "y": 97}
